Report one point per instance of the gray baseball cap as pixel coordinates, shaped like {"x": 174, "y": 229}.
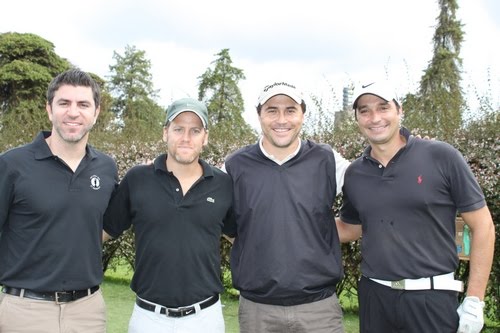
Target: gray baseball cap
{"x": 187, "y": 104}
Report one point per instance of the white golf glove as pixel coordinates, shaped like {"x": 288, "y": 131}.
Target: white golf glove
{"x": 471, "y": 315}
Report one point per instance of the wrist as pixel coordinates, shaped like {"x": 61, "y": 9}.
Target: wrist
{"x": 474, "y": 299}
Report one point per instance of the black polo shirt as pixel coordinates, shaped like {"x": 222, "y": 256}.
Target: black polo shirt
{"x": 408, "y": 208}
{"x": 51, "y": 217}
{"x": 287, "y": 249}
{"x": 177, "y": 237}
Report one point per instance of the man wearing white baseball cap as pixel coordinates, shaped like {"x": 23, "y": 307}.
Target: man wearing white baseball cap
{"x": 286, "y": 258}
{"x": 402, "y": 195}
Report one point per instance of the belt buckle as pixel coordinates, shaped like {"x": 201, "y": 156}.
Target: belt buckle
{"x": 62, "y": 294}
{"x": 400, "y": 285}
{"x": 180, "y": 312}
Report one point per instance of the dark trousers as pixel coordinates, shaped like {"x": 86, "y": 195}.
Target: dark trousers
{"x": 386, "y": 310}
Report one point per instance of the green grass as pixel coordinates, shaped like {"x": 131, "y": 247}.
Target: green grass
{"x": 120, "y": 303}
{"x": 119, "y": 300}
{"x": 230, "y": 311}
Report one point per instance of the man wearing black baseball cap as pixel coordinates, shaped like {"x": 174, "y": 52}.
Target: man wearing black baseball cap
{"x": 402, "y": 195}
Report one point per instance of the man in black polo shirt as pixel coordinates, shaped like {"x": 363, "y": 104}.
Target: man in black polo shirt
{"x": 53, "y": 194}
{"x": 286, "y": 258}
{"x": 179, "y": 207}
{"x": 403, "y": 195}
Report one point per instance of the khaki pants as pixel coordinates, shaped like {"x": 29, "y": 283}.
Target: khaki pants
{"x": 323, "y": 316}
{"x": 24, "y": 315}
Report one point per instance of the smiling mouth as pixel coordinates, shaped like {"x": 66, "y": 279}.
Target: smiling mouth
{"x": 378, "y": 128}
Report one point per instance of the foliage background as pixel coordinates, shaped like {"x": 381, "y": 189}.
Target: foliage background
{"x": 130, "y": 124}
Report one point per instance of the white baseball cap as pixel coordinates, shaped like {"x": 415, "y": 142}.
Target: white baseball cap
{"x": 280, "y": 88}
{"x": 380, "y": 88}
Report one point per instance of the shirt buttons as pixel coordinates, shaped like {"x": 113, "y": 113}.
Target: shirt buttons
{"x": 380, "y": 166}
{"x": 177, "y": 189}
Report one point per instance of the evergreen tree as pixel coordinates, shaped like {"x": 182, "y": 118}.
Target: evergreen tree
{"x": 438, "y": 106}
{"x": 103, "y": 128}
{"x": 134, "y": 104}
{"x": 27, "y": 65}
{"x": 219, "y": 90}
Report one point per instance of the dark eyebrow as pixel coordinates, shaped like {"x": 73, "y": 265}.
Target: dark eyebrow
{"x": 271, "y": 107}
{"x": 65, "y": 100}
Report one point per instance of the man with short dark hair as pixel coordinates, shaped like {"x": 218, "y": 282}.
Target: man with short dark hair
{"x": 286, "y": 258}
{"x": 179, "y": 206}
{"x": 402, "y": 195}
{"x": 53, "y": 194}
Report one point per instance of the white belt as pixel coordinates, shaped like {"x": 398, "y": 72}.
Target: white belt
{"x": 440, "y": 282}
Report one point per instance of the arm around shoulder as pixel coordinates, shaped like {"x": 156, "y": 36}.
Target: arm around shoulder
{"x": 105, "y": 236}
{"x": 348, "y": 232}
{"x": 341, "y": 165}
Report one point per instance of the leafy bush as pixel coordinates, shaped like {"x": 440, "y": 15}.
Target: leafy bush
{"x": 479, "y": 142}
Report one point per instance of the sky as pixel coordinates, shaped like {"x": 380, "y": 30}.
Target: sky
{"x": 318, "y": 45}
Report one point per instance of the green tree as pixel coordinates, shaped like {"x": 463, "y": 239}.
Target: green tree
{"x": 219, "y": 90}
{"x": 27, "y": 65}
{"x": 134, "y": 104}
{"x": 438, "y": 106}
{"x": 103, "y": 129}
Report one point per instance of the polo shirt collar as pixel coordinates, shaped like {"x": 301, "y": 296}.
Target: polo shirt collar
{"x": 42, "y": 150}
{"x": 159, "y": 164}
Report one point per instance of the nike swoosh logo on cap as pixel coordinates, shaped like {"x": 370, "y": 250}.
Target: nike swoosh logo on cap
{"x": 367, "y": 85}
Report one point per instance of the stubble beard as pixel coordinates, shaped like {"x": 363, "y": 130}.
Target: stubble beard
{"x": 186, "y": 160}
{"x": 283, "y": 143}
{"x": 73, "y": 137}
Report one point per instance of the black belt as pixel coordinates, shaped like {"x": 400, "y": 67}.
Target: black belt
{"x": 177, "y": 312}
{"x": 57, "y": 296}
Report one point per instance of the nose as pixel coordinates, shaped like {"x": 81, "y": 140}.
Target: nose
{"x": 281, "y": 117}
{"x": 73, "y": 110}
{"x": 375, "y": 117}
{"x": 186, "y": 136}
